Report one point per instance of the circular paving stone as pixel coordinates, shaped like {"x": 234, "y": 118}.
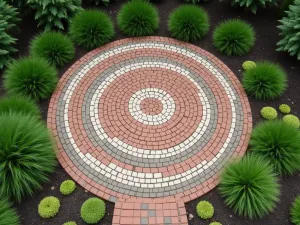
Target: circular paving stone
{"x": 148, "y": 117}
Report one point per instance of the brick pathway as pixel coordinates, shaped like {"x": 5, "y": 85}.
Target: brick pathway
{"x": 148, "y": 123}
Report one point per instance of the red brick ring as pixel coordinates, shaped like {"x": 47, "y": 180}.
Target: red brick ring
{"x": 149, "y": 118}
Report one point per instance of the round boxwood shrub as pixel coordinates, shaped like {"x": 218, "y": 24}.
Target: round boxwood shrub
{"x": 292, "y": 120}
{"x": 234, "y": 37}
{"x": 205, "y": 210}
{"x": 26, "y": 155}
{"x": 30, "y": 77}
{"x": 279, "y": 143}
{"x": 8, "y": 215}
{"x": 295, "y": 211}
{"x": 67, "y": 187}
{"x": 55, "y": 47}
{"x": 268, "y": 113}
{"x": 49, "y": 207}
{"x": 215, "y": 223}
{"x": 247, "y": 65}
{"x": 91, "y": 29}
{"x": 92, "y": 210}
{"x": 19, "y": 104}
{"x": 138, "y": 18}
{"x": 266, "y": 81}
{"x": 250, "y": 186}
{"x": 188, "y": 23}
{"x": 284, "y": 108}
{"x": 70, "y": 223}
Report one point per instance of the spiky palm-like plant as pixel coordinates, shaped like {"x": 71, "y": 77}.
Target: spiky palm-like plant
{"x": 290, "y": 31}
{"x": 52, "y": 13}
{"x": 8, "y": 215}
{"x": 253, "y": 5}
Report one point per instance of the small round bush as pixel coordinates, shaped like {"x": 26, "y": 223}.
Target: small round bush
{"x": 234, "y": 37}
{"x": 55, "y": 47}
{"x": 30, "y": 77}
{"x": 205, "y": 210}
{"x": 70, "y": 223}
{"x": 92, "y": 210}
{"x": 250, "y": 186}
{"x": 8, "y": 215}
{"x": 26, "y": 155}
{"x": 292, "y": 120}
{"x": 295, "y": 211}
{"x": 279, "y": 143}
{"x": 91, "y": 29}
{"x": 188, "y": 23}
{"x": 215, "y": 223}
{"x": 265, "y": 82}
{"x": 247, "y": 65}
{"x": 284, "y": 108}
{"x": 19, "y": 104}
{"x": 49, "y": 207}
{"x": 67, "y": 187}
{"x": 268, "y": 113}
{"x": 138, "y": 18}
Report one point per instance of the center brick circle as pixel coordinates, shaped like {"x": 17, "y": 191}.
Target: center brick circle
{"x": 149, "y": 117}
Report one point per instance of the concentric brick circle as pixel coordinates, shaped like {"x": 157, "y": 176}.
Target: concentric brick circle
{"x": 149, "y": 117}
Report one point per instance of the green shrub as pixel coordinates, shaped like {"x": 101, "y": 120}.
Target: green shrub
{"x": 234, "y": 37}
{"x": 292, "y": 120}
{"x": 247, "y": 65}
{"x": 52, "y": 14}
{"x": 21, "y": 4}
{"x": 91, "y": 29}
{"x": 295, "y": 211}
{"x": 284, "y": 6}
{"x": 253, "y": 5}
{"x": 8, "y": 215}
{"x": 215, "y": 223}
{"x": 30, "y": 77}
{"x": 268, "y": 113}
{"x": 8, "y": 14}
{"x": 67, "y": 187}
{"x": 70, "y": 223}
{"x": 55, "y": 47}
{"x": 49, "y": 207}
{"x": 279, "y": 143}
{"x": 205, "y": 210}
{"x": 250, "y": 186}
{"x": 138, "y": 18}
{"x": 289, "y": 31}
{"x": 92, "y": 210}
{"x": 188, "y": 23}
{"x": 267, "y": 81}
{"x": 26, "y": 155}
{"x": 284, "y": 108}
{"x": 19, "y": 104}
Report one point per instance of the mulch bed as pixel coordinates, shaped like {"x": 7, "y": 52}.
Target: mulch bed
{"x": 265, "y": 23}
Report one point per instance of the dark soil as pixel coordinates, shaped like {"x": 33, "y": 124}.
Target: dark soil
{"x": 265, "y": 23}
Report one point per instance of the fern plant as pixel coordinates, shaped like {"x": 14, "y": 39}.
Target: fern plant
{"x": 253, "y": 5}
{"x": 8, "y": 14}
{"x": 6, "y": 44}
{"x": 52, "y": 13}
{"x": 290, "y": 31}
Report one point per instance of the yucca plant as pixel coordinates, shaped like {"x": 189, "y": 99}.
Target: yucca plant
{"x": 290, "y": 31}
{"x": 52, "y": 13}
{"x": 8, "y": 215}
{"x": 253, "y": 5}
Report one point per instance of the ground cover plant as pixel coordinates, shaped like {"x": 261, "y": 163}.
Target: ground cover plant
{"x": 67, "y": 187}
{"x": 26, "y": 155}
{"x": 92, "y": 210}
{"x": 8, "y": 215}
{"x": 188, "y": 23}
{"x": 49, "y": 207}
{"x": 284, "y": 108}
{"x": 268, "y": 113}
{"x": 292, "y": 120}
{"x": 91, "y": 29}
{"x": 138, "y": 18}
{"x": 205, "y": 210}
{"x": 234, "y": 37}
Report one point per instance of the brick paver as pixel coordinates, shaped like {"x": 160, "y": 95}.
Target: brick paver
{"x": 149, "y": 123}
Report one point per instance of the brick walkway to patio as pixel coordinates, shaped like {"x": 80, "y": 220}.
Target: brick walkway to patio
{"x": 148, "y": 123}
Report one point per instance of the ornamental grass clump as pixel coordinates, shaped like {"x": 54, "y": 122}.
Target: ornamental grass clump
{"x": 188, "y": 23}
{"x": 49, "y": 207}
{"x": 205, "y": 210}
{"x": 91, "y": 29}
{"x": 279, "y": 143}
{"x": 138, "y": 18}
{"x": 295, "y": 211}
{"x": 92, "y": 210}
{"x": 55, "y": 47}
{"x": 234, "y": 37}
{"x": 266, "y": 81}
{"x": 8, "y": 215}
{"x": 250, "y": 186}
{"x": 34, "y": 78}
{"x": 26, "y": 155}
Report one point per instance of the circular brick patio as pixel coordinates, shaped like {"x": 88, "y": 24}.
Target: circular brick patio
{"x": 149, "y": 118}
